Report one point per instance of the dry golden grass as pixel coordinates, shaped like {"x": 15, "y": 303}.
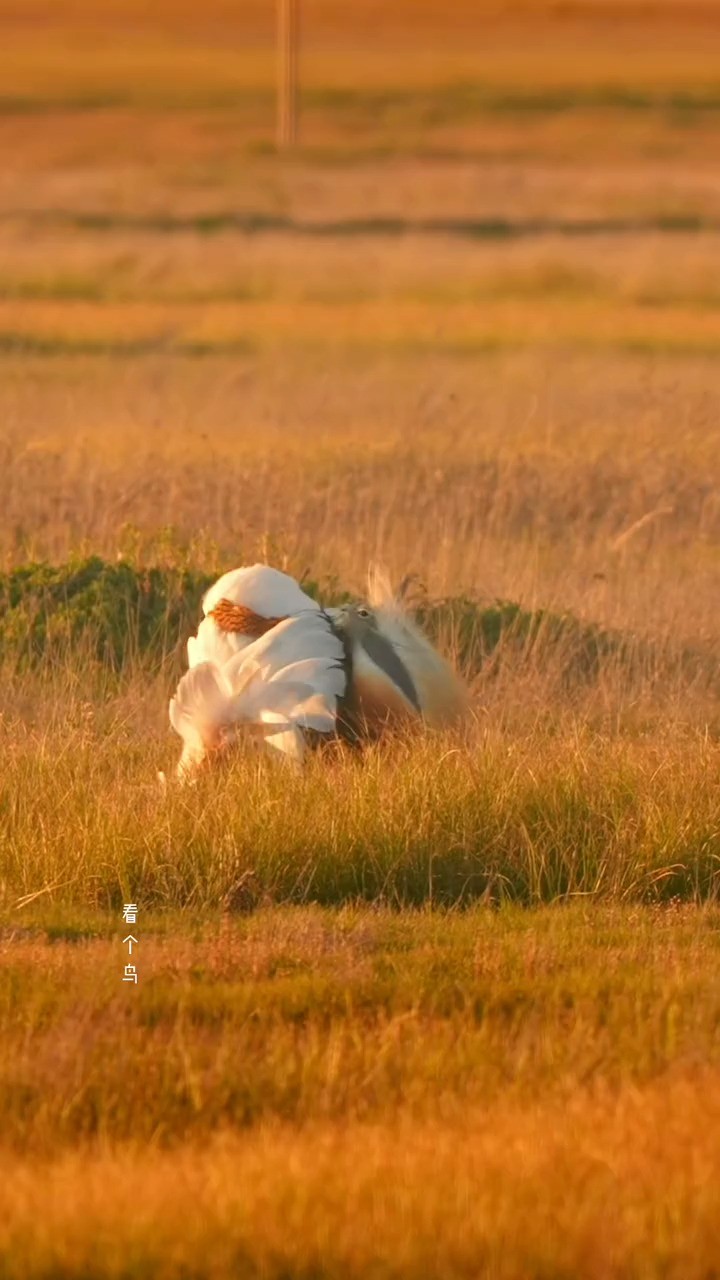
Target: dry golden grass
{"x": 358, "y": 1093}
{"x": 609, "y": 805}
{"x": 626, "y": 1186}
{"x": 576, "y": 481}
{"x": 470, "y": 327}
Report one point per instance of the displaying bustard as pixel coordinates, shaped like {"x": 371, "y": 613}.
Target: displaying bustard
{"x": 268, "y": 662}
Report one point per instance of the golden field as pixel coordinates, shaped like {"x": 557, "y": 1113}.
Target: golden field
{"x": 449, "y": 1009}
{"x": 366, "y": 1093}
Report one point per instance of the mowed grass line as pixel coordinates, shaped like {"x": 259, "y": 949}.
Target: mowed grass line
{"x": 61, "y": 328}
{"x": 357, "y": 1092}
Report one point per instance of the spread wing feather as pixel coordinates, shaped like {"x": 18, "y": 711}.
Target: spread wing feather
{"x": 287, "y": 681}
{"x": 213, "y": 645}
{"x": 301, "y": 648}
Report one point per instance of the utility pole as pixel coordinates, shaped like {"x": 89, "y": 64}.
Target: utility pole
{"x": 287, "y": 69}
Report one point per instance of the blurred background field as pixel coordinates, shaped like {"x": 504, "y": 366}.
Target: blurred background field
{"x": 469, "y": 326}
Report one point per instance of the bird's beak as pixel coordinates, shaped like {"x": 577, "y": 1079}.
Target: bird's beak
{"x": 381, "y": 652}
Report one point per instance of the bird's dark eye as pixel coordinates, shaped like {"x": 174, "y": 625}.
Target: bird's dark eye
{"x": 363, "y": 613}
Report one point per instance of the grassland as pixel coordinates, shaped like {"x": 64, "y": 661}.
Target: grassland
{"x": 364, "y": 1092}
{"x": 449, "y": 1008}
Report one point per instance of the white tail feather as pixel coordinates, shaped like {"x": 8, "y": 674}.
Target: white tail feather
{"x": 287, "y": 681}
{"x": 201, "y": 705}
{"x": 380, "y": 590}
{"x": 213, "y": 645}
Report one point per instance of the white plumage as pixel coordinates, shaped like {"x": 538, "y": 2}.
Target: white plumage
{"x": 258, "y": 588}
{"x": 305, "y": 637}
{"x": 213, "y": 645}
{"x": 269, "y": 662}
{"x": 287, "y": 681}
{"x": 266, "y": 591}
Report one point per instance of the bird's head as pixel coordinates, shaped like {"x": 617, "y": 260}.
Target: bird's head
{"x": 363, "y": 628}
{"x": 356, "y": 620}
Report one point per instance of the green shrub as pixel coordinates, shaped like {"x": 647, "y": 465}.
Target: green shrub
{"x": 114, "y": 610}
{"x": 118, "y": 613}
